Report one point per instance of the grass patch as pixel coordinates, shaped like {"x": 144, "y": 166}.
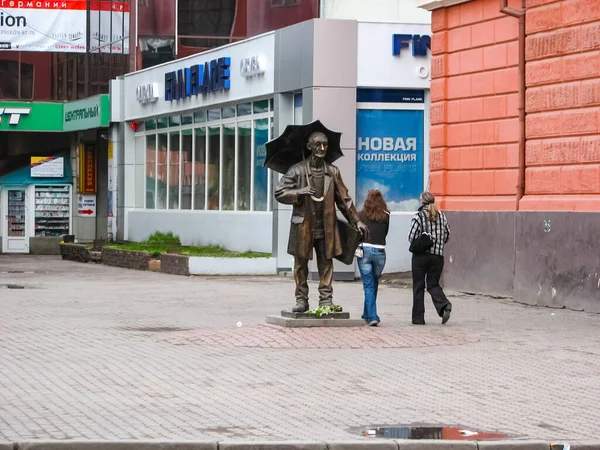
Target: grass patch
{"x": 158, "y": 243}
{"x": 211, "y": 251}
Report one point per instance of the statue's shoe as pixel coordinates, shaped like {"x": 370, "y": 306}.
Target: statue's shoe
{"x": 300, "y": 307}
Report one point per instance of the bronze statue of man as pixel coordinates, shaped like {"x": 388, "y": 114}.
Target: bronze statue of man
{"x": 314, "y": 187}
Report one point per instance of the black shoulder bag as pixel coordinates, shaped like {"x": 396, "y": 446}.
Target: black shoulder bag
{"x": 423, "y": 242}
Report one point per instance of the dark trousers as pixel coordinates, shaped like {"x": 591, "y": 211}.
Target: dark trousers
{"x": 427, "y": 267}
{"x": 325, "y": 267}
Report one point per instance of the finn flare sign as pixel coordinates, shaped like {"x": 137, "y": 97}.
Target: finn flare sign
{"x": 211, "y": 76}
{"x": 420, "y": 43}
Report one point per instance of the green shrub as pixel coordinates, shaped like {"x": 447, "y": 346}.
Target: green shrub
{"x": 163, "y": 239}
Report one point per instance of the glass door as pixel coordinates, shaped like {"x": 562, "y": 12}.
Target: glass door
{"x": 15, "y": 239}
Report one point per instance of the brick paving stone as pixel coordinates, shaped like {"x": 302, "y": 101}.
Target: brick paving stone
{"x": 93, "y": 352}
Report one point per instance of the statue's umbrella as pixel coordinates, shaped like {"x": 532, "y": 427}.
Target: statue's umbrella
{"x": 290, "y": 148}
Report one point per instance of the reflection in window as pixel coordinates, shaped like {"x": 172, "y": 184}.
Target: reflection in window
{"x": 186, "y": 170}
{"x": 214, "y": 114}
{"x": 228, "y": 112}
{"x": 244, "y": 157}
{"x": 200, "y": 116}
{"x": 261, "y": 179}
{"x": 161, "y": 188}
{"x": 174, "y": 171}
{"x": 214, "y": 145}
{"x": 228, "y": 184}
{"x": 244, "y": 109}
{"x": 200, "y": 169}
{"x": 187, "y": 119}
{"x": 150, "y": 170}
{"x": 205, "y": 18}
{"x": 9, "y": 79}
{"x": 261, "y": 106}
{"x": 162, "y": 122}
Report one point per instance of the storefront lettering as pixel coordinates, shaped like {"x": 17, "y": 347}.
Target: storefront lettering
{"x": 420, "y": 44}
{"x": 15, "y": 114}
{"x": 147, "y": 93}
{"x": 83, "y": 113}
{"x": 387, "y": 144}
{"x": 388, "y": 157}
{"x": 211, "y": 76}
{"x": 250, "y": 67}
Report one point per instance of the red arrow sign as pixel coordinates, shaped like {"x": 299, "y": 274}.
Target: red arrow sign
{"x": 86, "y": 211}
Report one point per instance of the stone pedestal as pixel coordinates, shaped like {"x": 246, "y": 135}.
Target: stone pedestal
{"x": 305, "y": 320}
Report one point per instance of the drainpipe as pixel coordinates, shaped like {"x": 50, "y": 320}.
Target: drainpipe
{"x": 519, "y": 14}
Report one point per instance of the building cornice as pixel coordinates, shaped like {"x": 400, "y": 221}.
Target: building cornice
{"x": 430, "y": 5}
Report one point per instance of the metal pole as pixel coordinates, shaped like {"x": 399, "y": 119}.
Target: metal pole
{"x": 86, "y": 88}
{"x": 19, "y": 78}
{"x": 111, "y": 39}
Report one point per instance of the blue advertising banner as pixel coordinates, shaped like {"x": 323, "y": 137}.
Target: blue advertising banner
{"x": 261, "y": 136}
{"x": 389, "y": 153}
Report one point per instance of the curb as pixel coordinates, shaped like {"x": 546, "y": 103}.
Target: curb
{"x": 375, "y": 444}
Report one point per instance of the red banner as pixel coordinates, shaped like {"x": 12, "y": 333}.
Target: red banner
{"x": 87, "y": 169}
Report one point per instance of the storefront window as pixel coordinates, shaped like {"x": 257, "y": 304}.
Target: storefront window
{"x": 200, "y": 169}
{"x": 162, "y": 122}
{"x": 200, "y": 117}
{"x": 244, "y": 162}
{"x": 174, "y": 167}
{"x": 261, "y": 136}
{"x": 214, "y": 114}
{"x": 174, "y": 121}
{"x": 52, "y": 210}
{"x": 186, "y": 170}
{"x": 228, "y": 184}
{"x": 261, "y": 106}
{"x": 219, "y": 167}
{"x": 214, "y": 163}
{"x": 228, "y": 112}
{"x": 244, "y": 109}
{"x": 150, "y": 171}
{"x": 161, "y": 185}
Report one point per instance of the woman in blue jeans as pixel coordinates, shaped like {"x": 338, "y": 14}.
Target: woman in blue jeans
{"x": 376, "y": 216}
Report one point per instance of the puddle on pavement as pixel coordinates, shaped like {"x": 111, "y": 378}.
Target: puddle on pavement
{"x": 428, "y": 432}
{"x": 155, "y": 329}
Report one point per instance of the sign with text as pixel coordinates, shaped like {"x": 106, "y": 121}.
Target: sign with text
{"x": 389, "y": 153}
{"x": 30, "y": 116}
{"x": 47, "y": 167}
{"x": 211, "y": 76}
{"x": 87, "y": 169}
{"x": 86, "y": 205}
{"x": 86, "y": 114}
{"x": 109, "y": 27}
{"x": 43, "y": 25}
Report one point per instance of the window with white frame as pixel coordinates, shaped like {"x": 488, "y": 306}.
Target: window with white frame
{"x": 210, "y": 159}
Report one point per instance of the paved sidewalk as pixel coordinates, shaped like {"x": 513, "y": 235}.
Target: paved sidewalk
{"x": 92, "y": 352}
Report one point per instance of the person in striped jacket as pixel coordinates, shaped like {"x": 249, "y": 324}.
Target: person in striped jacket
{"x": 428, "y": 266}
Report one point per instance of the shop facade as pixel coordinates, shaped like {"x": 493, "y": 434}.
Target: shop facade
{"x": 48, "y": 154}
{"x": 189, "y": 146}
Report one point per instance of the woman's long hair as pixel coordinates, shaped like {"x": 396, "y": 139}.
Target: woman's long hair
{"x": 375, "y": 207}
{"x": 428, "y": 202}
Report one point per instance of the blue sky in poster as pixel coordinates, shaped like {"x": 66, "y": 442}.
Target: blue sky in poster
{"x": 389, "y": 153}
